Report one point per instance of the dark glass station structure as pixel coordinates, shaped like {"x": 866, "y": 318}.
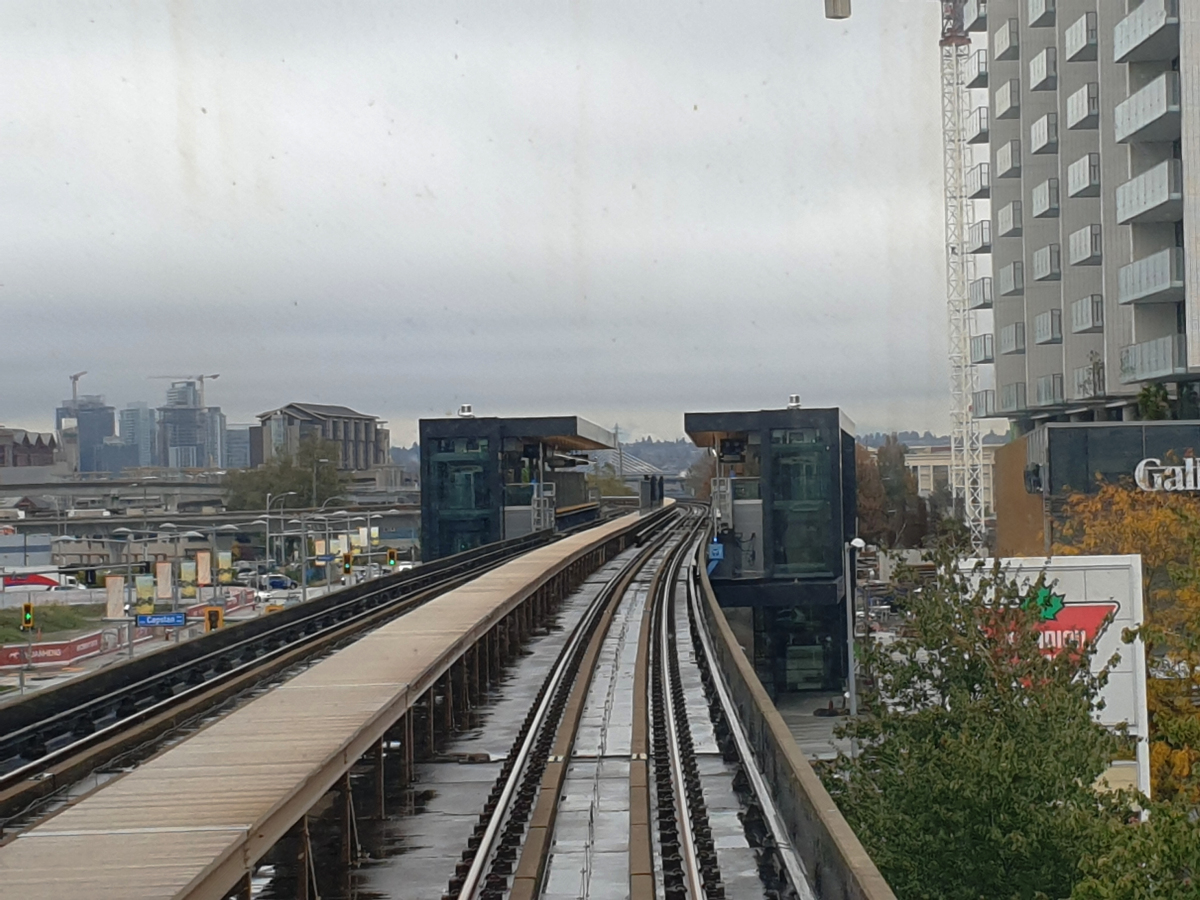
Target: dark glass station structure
{"x": 488, "y": 479}
{"x": 784, "y": 508}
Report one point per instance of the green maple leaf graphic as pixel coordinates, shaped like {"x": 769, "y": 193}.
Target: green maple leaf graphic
{"x": 1048, "y": 603}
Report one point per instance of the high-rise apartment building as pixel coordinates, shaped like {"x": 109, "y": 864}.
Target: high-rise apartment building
{"x": 1093, "y": 125}
{"x": 190, "y": 435}
{"x": 139, "y": 428}
{"x": 91, "y": 420}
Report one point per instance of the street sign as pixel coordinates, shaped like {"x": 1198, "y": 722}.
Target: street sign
{"x": 716, "y": 551}
{"x": 162, "y": 620}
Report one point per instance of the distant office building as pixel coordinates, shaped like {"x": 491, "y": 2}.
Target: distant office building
{"x": 930, "y": 467}
{"x": 116, "y": 456}
{"x": 488, "y": 479}
{"x": 190, "y": 436}
{"x": 784, "y": 506}
{"x": 237, "y": 446}
{"x": 362, "y": 443}
{"x": 139, "y": 429}
{"x": 92, "y": 421}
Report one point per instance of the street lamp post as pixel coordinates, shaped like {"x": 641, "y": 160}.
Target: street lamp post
{"x": 271, "y": 498}
{"x": 848, "y": 575}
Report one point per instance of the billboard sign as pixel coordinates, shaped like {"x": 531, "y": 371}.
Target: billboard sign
{"x": 1081, "y": 593}
{"x": 114, "y": 596}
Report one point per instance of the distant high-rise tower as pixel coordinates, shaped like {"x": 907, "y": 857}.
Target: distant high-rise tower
{"x": 189, "y": 436}
{"x": 139, "y": 428}
{"x": 93, "y": 423}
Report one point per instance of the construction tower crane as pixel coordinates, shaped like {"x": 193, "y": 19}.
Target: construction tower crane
{"x": 966, "y": 445}
{"x": 75, "y": 388}
{"x": 199, "y": 378}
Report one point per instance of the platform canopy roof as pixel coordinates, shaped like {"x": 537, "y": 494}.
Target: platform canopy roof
{"x": 558, "y": 432}
{"x": 707, "y": 429}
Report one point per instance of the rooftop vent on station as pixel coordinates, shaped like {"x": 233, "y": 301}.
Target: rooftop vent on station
{"x": 465, "y": 412}
{"x": 793, "y": 401}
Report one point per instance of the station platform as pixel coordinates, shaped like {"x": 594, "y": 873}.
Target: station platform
{"x": 193, "y": 820}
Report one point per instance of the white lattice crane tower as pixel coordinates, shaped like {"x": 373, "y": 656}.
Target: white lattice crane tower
{"x": 966, "y": 445}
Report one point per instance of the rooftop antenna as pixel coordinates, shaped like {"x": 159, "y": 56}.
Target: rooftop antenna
{"x": 75, "y": 387}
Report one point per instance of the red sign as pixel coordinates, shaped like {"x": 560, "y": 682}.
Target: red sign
{"x": 1074, "y": 623}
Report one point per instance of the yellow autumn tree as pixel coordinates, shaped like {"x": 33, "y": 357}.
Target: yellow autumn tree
{"x": 1164, "y": 528}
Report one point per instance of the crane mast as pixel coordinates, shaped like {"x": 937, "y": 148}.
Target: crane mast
{"x": 966, "y": 446}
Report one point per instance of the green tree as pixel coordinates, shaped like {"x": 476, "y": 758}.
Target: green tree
{"x": 1153, "y": 402}
{"x": 248, "y": 488}
{"x": 873, "y": 525}
{"x": 1155, "y": 859}
{"x": 977, "y": 752}
{"x": 700, "y": 475}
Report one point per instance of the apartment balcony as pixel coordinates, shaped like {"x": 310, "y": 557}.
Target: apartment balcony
{"x": 975, "y": 15}
{"x": 1047, "y": 327}
{"x": 1005, "y": 41}
{"x": 979, "y": 237}
{"x": 1084, "y": 247}
{"x": 1082, "y": 39}
{"x": 1157, "y": 278}
{"x": 1045, "y": 199}
{"x": 1043, "y": 134}
{"x": 1163, "y": 357}
{"x": 1088, "y": 381}
{"x": 1041, "y": 13}
{"x": 981, "y": 350}
{"x": 1012, "y": 280}
{"x": 1012, "y": 339}
{"x": 1152, "y": 114}
{"x": 980, "y": 294}
{"x": 1083, "y": 176}
{"x": 977, "y": 70}
{"x": 977, "y": 126}
{"x": 979, "y": 182}
{"x": 1043, "y": 71}
{"x": 1154, "y": 196}
{"x": 1008, "y": 160}
{"x": 1047, "y": 263}
{"x": 1012, "y": 397}
{"x": 983, "y": 404}
{"x": 1008, "y": 100}
{"x": 1050, "y": 390}
{"x": 1150, "y": 32}
{"x": 1087, "y": 315}
{"x": 1008, "y": 220}
{"x": 1083, "y": 108}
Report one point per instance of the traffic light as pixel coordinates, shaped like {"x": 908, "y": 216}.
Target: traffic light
{"x": 391, "y": 558}
{"x": 27, "y": 617}
{"x": 347, "y": 563}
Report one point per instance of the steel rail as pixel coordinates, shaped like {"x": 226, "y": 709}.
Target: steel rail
{"x": 560, "y": 678}
{"x": 669, "y": 671}
{"x": 783, "y": 841}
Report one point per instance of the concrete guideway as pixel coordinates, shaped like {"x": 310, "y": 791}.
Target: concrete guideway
{"x": 194, "y": 820}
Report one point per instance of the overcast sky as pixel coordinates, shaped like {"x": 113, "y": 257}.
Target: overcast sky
{"x": 620, "y": 210}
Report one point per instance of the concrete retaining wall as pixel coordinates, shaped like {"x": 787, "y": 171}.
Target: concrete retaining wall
{"x": 836, "y": 862}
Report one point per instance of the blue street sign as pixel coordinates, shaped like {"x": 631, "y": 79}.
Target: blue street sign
{"x": 716, "y": 551}
{"x": 160, "y": 620}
